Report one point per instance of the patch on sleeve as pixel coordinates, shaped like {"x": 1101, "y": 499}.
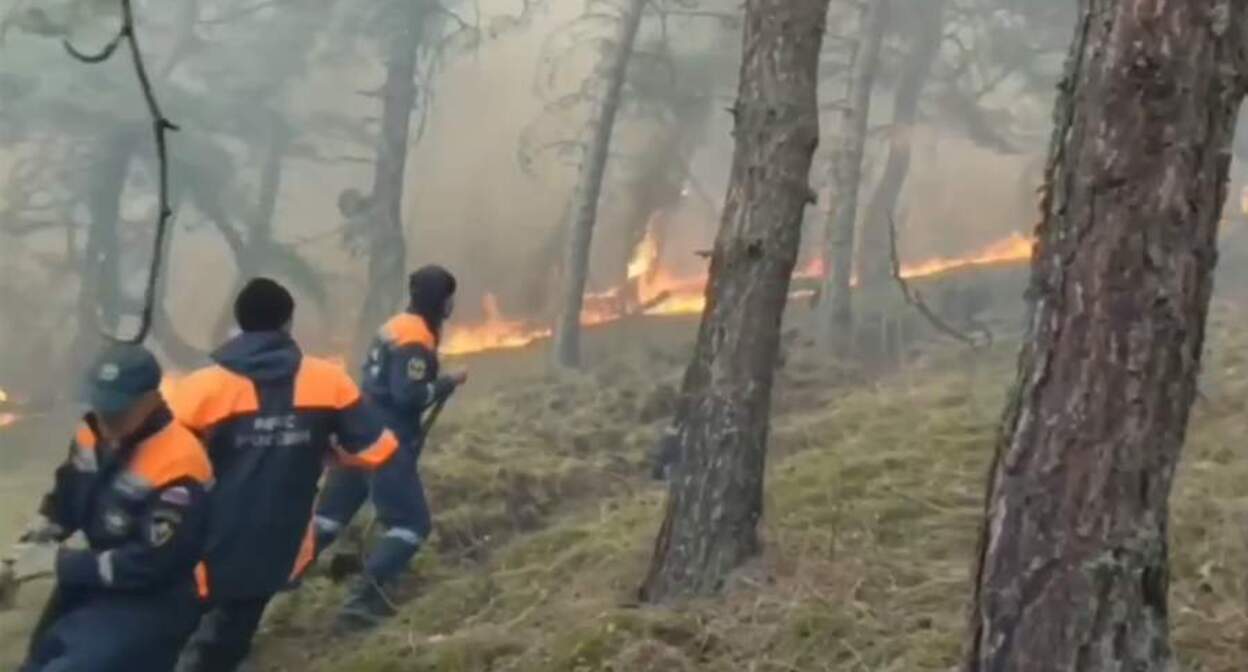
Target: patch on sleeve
{"x": 417, "y": 368}
{"x": 177, "y": 495}
{"x": 116, "y": 521}
{"x": 164, "y": 523}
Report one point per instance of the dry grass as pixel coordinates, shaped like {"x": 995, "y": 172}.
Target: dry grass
{"x": 874, "y": 500}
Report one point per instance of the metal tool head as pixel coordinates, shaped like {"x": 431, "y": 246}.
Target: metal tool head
{"x": 8, "y": 585}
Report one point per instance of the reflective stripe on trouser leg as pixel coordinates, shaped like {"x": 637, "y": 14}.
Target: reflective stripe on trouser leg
{"x": 326, "y": 531}
{"x": 327, "y": 525}
{"x": 394, "y": 550}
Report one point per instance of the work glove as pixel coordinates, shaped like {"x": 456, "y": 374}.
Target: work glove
{"x": 41, "y": 530}
{"x": 32, "y": 561}
{"x": 77, "y": 542}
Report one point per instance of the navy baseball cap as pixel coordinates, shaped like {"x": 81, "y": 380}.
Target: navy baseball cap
{"x": 119, "y": 377}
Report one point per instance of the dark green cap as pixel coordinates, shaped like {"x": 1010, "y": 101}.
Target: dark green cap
{"x": 119, "y": 377}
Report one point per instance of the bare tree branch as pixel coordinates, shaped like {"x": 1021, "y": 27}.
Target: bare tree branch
{"x": 160, "y": 125}
{"x": 103, "y": 54}
{"x": 463, "y": 24}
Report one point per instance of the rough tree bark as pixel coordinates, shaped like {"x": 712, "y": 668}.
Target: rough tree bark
{"x": 875, "y": 261}
{"x": 100, "y": 296}
{"x": 179, "y": 353}
{"x": 1073, "y": 568}
{"x": 583, "y": 211}
{"x": 250, "y": 257}
{"x": 835, "y": 317}
{"x": 710, "y": 524}
{"x": 387, "y": 248}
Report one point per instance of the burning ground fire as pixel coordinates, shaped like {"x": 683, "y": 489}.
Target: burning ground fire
{"x": 652, "y": 289}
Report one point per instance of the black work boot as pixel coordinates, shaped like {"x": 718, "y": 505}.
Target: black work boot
{"x": 367, "y": 605}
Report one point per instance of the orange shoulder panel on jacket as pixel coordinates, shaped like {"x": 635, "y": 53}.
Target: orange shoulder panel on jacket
{"x": 321, "y": 383}
{"x": 210, "y": 395}
{"x": 371, "y": 458}
{"x": 171, "y": 454}
{"x": 84, "y": 437}
{"x": 408, "y": 329}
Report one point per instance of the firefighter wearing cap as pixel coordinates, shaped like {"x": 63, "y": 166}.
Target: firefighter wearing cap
{"x": 272, "y": 417}
{"x": 135, "y": 486}
{"x": 401, "y": 378}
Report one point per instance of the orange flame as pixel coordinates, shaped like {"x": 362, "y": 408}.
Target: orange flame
{"x": 652, "y": 289}
{"x": 496, "y": 332}
{"x": 1016, "y": 247}
{"x": 7, "y": 419}
{"x": 645, "y": 258}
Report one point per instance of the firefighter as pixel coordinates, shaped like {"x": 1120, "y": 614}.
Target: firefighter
{"x": 273, "y": 417}
{"x": 135, "y": 486}
{"x": 401, "y": 378}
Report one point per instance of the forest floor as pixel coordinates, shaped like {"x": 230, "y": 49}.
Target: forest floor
{"x": 545, "y": 517}
{"x": 545, "y": 520}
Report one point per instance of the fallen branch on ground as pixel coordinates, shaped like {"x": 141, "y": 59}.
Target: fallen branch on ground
{"x": 915, "y": 299}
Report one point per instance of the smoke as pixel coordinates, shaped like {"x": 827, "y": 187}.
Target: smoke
{"x": 468, "y": 204}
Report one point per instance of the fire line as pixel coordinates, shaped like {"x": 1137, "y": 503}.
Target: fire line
{"x": 654, "y": 290}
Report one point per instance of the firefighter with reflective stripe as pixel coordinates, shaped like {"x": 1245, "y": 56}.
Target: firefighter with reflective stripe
{"x": 135, "y": 486}
{"x": 272, "y": 417}
{"x": 402, "y": 380}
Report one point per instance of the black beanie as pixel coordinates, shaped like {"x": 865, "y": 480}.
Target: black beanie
{"x": 263, "y": 305}
{"x": 429, "y": 288}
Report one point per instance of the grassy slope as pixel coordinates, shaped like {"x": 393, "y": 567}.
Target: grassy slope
{"x": 874, "y": 498}
{"x": 545, "y": 521}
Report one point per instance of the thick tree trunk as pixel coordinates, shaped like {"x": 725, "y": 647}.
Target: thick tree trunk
{"x": 835, "y": 326}
{"x": 716, "y": 499}
{"x": 1073, "y": 568}
{"x": 250, "y": 257}
{"x": 874, "y": 261}
{"x": 584, "y": 207}
{"x": 100, "y": 296}
{"x": 387, "y": 248}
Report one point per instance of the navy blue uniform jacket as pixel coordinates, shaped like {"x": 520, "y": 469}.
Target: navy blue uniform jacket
{"x": 140, "y": 503}
{"x": 401, "y": 376}
{"x": 272, "y": 418}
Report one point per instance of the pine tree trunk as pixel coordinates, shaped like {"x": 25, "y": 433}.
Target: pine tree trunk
{"x": 250, "y": 259}
{"x": 387, "y": 249}
{"x": 716, "y": 499}
{"x": 1073, "y": 571}
{"x": 584, "y": 207}
{"x": 875, "y": 261}
{"x": 100, "y": 296}
{"x": 835, "y": 327}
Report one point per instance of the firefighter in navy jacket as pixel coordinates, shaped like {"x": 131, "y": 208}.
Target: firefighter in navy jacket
{"x": 402, "y": 380}
{"x": 135, "y": 486}
{"x": 271, "y": 417}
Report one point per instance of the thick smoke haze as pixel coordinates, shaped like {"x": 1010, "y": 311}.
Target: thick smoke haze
{"x": 468, "y": 202}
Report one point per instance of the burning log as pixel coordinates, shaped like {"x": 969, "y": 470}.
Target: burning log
{"x": 653, "y": 303}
